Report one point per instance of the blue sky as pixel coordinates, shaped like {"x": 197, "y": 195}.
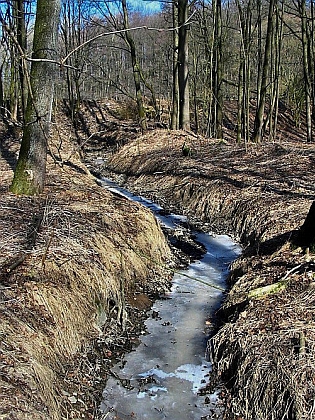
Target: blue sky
{"x": 146, "y": 6}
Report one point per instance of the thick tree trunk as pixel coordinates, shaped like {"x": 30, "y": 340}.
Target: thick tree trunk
{"x": 306, "y": 234}
{"x": 29, "y": 175}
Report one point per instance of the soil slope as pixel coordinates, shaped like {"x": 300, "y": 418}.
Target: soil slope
{"x": 78, "y": 268}
{"x": 79, "y": 265}
{"x": 265, "y": 348}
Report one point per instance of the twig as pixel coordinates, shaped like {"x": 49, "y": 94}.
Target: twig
{"x": 16, "y": 263}
{"x": 260, "y": 292}
{"x": 46, "y": 249}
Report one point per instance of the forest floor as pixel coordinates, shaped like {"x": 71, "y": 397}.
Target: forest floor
{"x": 58, "y": 247}
{"x": 74, "y": 288}
{"x": 264, "y": 349}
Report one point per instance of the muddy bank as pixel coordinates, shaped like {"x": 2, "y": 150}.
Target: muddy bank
{"x": 74, "y": 286}
{"x": 265, "y": 350}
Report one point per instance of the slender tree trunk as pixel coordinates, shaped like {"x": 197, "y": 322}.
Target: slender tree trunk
{"x": 277, "y": 66}
{"x": 218, "y": 73}
{"x": 14, "y": 84}
{"x": 19, "y": 17}
{"x": 208, "y": 31}
{"x": 2, "y": 107}
{"x": 245, "y": 18}
{"x": 183, "y": 74}
{"x": 259, "y": 118}
{"x": 29, "y": 176}
{"x": 259, "y": 50}
{"x": 306, "y": 69}
{"x": 175, "y": 99}
{"x": 135, "y": 69}
{"x": 240, "y": 99}
{"x": 312, "y": 56}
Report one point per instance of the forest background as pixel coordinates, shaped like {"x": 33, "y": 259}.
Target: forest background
{"x": 255, "y": 58}
{"x": 240, "y": 73}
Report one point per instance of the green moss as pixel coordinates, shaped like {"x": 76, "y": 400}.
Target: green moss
{"x": 23, "y": 184}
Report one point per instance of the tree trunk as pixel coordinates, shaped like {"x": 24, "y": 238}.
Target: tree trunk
{"x": 2, "y": 110}
{"x": 306, "y": 234}
{"x": 29, "y": 176}
{"x": 19, "y": 16}
{"x": 135, "y": 69}
{"x": 245, "y": 19}
{"x": 218, "y": 73}
{"x": 259, "y": 118}
{"x": 277, "y": 72}
{"x": 184, "y": 111}
{"x": 306, "y": 69}
{"x": 175, "y": 107}
{"x": 312, "y": 57}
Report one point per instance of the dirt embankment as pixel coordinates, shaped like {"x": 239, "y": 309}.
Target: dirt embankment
{"x": 78, "y": 268}
{"x": 265, "y": 348}
{"x": 71, "y": 270}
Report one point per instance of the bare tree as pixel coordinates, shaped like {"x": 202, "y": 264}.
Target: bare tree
{"x": 135, "y": 68}
{"x": 29, "y": 176}
{"x": 175, "y": 101}
{"x": 183, "y": 72}
{"x": 307, "y": 66}
{"x": 259, "y": 117}
{"x": 12, "y": 18}
{"x": 245, "y": 12}
{"x": 218, "y": 70}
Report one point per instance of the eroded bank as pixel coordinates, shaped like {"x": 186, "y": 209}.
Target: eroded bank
{"x": 74, "y": 287}
{"x": 265, "y": 352}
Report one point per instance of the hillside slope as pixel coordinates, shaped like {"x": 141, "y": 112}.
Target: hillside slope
{"x": 73, "y": 287}
{"x": 265, "y": 349}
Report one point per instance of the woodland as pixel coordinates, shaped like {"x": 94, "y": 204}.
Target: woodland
{"x": 206, "y": 107}
{"x": 191, "y": 61}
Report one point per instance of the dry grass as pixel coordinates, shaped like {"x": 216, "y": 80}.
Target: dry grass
{"x": 80, "y": 247}
{"x": 265, "y": 348}
{"x": 266, "y": 351}
{"x": 84, "y": 266}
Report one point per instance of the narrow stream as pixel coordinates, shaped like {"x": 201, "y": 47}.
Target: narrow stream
{"x": 163, "y": 376}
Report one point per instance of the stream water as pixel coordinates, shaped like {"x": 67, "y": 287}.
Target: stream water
{"x": 163, "y": 377}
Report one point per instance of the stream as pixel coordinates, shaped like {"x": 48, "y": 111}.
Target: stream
{"x": 163, "y": 377}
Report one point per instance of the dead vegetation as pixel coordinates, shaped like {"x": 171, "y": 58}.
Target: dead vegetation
{"x": 264, "y": 350}
{"x": 69, "y": 261}
{"x": 53, "y": 301}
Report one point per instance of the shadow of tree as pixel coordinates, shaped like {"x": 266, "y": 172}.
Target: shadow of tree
{"x": 6, "y": 150}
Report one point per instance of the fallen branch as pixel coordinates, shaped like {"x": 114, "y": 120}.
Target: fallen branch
{"x": 272, "y": 288}
{"x": 16, "y": 263}
{"x": 267, "y": 290}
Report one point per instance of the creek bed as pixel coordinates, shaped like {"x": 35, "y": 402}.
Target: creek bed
{"x": 164, "y": 376}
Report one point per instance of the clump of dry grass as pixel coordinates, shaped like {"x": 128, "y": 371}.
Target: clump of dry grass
{"x": 264, "y": 350}
{"x": 81, "y": 249}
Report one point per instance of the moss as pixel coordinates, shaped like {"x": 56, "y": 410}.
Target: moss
{"x": 23, "y": 182}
